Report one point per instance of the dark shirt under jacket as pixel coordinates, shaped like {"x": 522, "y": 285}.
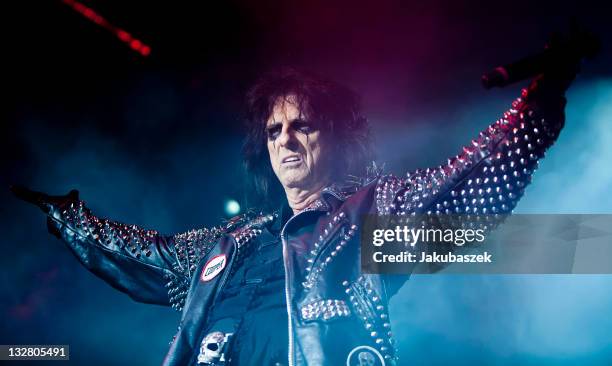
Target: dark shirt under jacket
{"x": 260, "y": 326}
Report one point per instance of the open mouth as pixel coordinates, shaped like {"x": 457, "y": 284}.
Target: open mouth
{"x": 291, "y": 159}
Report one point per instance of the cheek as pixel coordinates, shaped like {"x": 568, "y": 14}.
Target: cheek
{"x": 271, "y": 153}
{"x": 317, "y": 147}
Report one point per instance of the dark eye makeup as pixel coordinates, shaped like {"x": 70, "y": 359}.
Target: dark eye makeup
{"x": 273, "y": 131}
{"x": 302, "y": 126}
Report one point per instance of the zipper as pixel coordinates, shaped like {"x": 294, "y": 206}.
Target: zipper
{"x": 287, "y": 294}
{"x": 288, "y": 301}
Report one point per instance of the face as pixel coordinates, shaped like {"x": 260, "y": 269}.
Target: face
{"x": 296, "y": 147}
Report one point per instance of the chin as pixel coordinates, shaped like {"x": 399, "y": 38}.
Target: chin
{"x": 294, "y": 181}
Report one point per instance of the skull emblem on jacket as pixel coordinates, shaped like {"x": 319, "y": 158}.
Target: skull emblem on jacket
{"x": 211, "y": 349}
{"x": 365, "y": 356}
{"x": 366, "y": 359}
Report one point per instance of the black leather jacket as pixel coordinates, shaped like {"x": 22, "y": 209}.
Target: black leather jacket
{"x": 335, "y": 313}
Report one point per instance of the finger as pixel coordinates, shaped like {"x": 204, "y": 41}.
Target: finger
{"x": 73, "y": 195}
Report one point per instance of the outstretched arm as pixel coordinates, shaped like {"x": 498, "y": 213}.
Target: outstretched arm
{"x": 489, "y": 175}
{"x": 149, "y": 267}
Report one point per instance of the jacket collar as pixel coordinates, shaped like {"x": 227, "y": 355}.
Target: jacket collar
{"x": 332, "y": 197}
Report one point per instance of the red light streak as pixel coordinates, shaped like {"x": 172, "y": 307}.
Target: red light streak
{"x": 135, "y": 44}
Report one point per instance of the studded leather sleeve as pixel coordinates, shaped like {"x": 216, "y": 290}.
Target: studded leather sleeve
{"x": 488, "y": 177}
{"x": 490, "y": 174}
{"x": 149, "y": 267}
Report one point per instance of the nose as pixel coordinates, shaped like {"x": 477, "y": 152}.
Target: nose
{"x": 286, "y": 138}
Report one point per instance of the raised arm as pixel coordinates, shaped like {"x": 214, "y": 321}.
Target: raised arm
{"x": 490, "y": 174}
{"x": 147, "y": 266}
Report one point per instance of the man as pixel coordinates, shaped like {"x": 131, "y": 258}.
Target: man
{"x": 284, "y": 286}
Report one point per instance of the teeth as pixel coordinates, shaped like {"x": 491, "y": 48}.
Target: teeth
{"x": 288, "y": 160}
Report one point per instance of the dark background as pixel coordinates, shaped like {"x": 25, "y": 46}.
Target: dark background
{"x": 155, "y": 141}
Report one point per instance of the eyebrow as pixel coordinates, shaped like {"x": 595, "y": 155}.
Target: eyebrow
{"x": 273, "y": 124}
{"x": 277, "y": 123}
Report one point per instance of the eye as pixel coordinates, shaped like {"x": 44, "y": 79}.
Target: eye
{"x": 273, "y": 131}
{"x": 303, "y": 127}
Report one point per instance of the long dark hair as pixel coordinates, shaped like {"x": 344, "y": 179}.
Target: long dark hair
{"x": 332, "y": 107}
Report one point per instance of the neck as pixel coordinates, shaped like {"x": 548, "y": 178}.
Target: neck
{"x": 299, "y": 199}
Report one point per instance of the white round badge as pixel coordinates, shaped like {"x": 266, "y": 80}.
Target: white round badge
{"x": 365, "y": 356}
{"x": 213, "y": 267}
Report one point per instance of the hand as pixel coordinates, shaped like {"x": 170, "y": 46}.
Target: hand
{"x": 43, "y": 200}
{"x": 569, "y": 50}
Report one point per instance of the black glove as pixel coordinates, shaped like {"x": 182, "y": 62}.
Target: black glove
{"x": 43, "y": 200}
{"x": 569, "y": 51}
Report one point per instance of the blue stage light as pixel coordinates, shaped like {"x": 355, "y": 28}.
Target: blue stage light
{"x": 232, "y": 207}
